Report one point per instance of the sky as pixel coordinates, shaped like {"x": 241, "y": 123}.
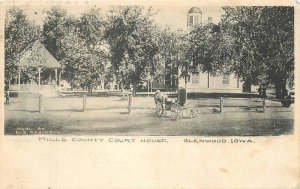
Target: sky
{"x": 176, "y": 17}
{"x": 173, "y": 15}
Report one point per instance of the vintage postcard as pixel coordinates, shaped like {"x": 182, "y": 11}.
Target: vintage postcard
{"x": 150, "y": 94}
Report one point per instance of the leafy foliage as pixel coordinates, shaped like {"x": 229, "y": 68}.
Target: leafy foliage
{"x": 56, "y": 26}
{"x": 263, "y": 44}
{"x": 133, "y": 44}
{"x": 19, "y": 33}
{"x": 77, "y": 43}
{"x": 205, "y": 51}
{"x": 254, "y": 43}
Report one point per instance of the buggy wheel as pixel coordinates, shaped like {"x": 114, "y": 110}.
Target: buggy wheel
{"x": 176, "y": 111}
{"x": 191, "y": 113}
{"x": 159, "y": 109}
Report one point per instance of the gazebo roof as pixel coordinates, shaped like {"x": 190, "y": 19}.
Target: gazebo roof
{"x": 36, "y": 55}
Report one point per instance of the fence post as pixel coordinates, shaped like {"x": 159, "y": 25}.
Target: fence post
{"x": 129, "y": 103}
{"x": 264, "y": 105}
{"x": 41, "y": 110}
{"x": 84, "y": 103}
{"x": 221, "y": 104}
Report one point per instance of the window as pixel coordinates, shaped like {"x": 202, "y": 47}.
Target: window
{"x": 196, "y": 20}
{"x": 225, "y": 80}
{"x": 195, "y": 79}
{"x": 191, "y": 20}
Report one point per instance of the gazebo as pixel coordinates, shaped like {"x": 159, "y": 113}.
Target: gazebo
{"x": 37, "y": 56}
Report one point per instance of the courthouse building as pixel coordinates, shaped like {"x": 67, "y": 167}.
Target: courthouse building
{"x": 202, "y": 81}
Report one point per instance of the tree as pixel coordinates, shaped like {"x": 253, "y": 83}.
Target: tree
{"x": 262, "y": 45}
{"x": 201, "y": 50}
{"x": 206, "y": 51}
{"x": 184, "y": 56}
{"x": 133, "y": 44}
{"x": 243, "y": 26}
{"x": 278, "y": 35}
{"x": 83, "y": 68}
{"x": 254, "y": 43}
{"x": 91, "y": 27}
{"x": 168, "y": 55}
{"x": 78, "y": 45}
{"x": 19, "y": 33}
{"x": 56, "y": 26}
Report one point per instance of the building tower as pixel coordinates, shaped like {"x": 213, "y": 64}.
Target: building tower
{"x": 194, "y": 17}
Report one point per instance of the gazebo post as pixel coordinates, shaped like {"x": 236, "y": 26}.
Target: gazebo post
{"x": 59, "y": 77}
{"x": 39, "y": 70}
{"x": 55, "y": 76}
{"x": 19, "y": 76}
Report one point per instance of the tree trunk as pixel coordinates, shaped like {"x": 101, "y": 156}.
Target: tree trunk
{"x": 90, "y": 89}
{"x": 247, "y": 86}
{"x": 101, "y": 83}
{"x": 122, "y": 90}
{"x": 279, "y": 89}
{"x": 282, "y": 92}
{"x": 282, "y": 88}
{"x": 285, "y": 88}
{"x": 134, "y": 89}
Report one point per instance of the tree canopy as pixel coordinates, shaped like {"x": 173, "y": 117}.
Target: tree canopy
{"x": 263, "y": 44}
{"x": 127, "y": 45}
{"x": 254, "y": 43}
{"x": 77, "y": 43}
{"x": 19, "y": 33}
{"x": 132, "y": 38}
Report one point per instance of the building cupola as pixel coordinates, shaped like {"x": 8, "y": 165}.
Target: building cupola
{"x": 194, "y": 17}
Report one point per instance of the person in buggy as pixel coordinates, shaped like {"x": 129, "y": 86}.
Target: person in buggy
{"x": 159, "y": 97}
{"x": 165, "y": 102}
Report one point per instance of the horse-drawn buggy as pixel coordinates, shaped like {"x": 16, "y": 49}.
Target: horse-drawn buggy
{"x": 174, "y": 104}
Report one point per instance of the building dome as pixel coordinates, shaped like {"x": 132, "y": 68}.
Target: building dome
{"x": 194, "y": 10}
{"x": 194, "y": 17}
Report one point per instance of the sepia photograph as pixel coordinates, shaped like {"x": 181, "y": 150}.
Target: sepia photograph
{"x": 149, "y": 94}
{"x": 149, "y": 71}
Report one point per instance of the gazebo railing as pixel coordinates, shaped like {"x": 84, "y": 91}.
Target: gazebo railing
{"x": 32, "y": 88}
